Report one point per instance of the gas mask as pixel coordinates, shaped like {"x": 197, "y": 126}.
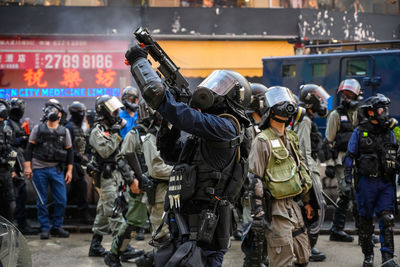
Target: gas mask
{"x": 3, "y": 110}
{"x": 112, "y": 108}
{"x": 130, "y": 105}
{"x": 348, "y": 103}
{"x": 51, "y": 113}
{"x": 381, "y": 115}
{"x": 78, "y": 117}
{"x": 283, "y": 104}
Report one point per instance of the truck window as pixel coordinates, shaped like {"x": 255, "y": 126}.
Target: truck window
{"x": 288, "y": 70}
{"x": 319, "y": 70}
{"x": 356, "y": 67}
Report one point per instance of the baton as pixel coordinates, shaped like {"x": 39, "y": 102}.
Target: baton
{"x": 36, "y": 191}
{"x": 330, "y": 200}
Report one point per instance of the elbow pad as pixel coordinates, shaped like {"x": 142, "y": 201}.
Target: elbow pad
{"x": 150, "y": 84}
{"x": 28, "y": 151}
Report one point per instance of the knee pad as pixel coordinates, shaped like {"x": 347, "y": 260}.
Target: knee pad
{"x": 387, "y": 218}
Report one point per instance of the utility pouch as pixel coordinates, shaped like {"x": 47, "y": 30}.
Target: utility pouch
{"x": 224, "y": 229}
{"x": 151, "y": 193}
{"x": 208, "y": 224}
{"x": 235, "y": 184}
{"x": 60, "y": 155}
{"x": 368, "y": 165}
{"x": 183, "y": 181}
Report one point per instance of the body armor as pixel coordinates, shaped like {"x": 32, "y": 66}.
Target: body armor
{"x": 50, "y": 145}
{"x": 286, "y": 175}
{"x": 209, "y": 186}
{"x": 346, "y": 130}
{"x": 377, "y": 152}
{"x": 79, "y": 142}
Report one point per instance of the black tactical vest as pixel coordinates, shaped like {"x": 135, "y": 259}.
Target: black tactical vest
{"x": 6, "y": 136}
{"x": 79, "y": 141}
{"x": 50, "y": 145}
{"x": 377, "y": 152}
{"x": 346, "y": 130}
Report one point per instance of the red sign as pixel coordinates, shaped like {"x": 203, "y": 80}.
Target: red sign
{"x": 62, "y": 54}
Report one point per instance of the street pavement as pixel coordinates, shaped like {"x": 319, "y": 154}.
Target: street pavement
{"x": 73, "y": 251}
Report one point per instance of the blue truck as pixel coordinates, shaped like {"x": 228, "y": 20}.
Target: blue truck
{"x": 378, "y": 71}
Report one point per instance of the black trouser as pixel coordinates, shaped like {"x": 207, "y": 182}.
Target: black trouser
{"x": 78, "y": 190}
{"x": 20, "y": 201}
{"x": 7, "y": 196}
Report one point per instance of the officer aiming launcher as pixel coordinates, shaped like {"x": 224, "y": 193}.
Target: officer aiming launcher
{"x": 173, "y": 78}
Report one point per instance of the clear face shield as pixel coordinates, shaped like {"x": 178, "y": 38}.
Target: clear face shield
{"x": 323, "y": 97}
{"x": 283, "y": 103}
{"x": 218, "y": 83}
{"x": 113, "y": 105}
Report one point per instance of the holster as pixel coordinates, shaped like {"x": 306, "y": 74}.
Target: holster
{"x": 151, "y": 192}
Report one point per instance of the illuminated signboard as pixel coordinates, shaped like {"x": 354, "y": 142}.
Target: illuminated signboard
{"x": 41, "y": 68}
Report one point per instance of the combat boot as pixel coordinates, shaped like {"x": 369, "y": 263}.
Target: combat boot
{"x": 96, "y": 249}
{"x": 146, "y": 260}
{"x": 112, "y": 260}
{"x": 340, "y": 235}
{"x": 131, "y": 253}
{"x": 317, "y": 255}
{"x": 339, "y": 221}
{"x": 368, "y": 260}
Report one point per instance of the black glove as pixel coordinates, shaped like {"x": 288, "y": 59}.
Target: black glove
{"x": 116, "y": 128}
{"x": 330, "y": 171}
{"x": 134, "y": 53}
{"x": 347, "y": 189}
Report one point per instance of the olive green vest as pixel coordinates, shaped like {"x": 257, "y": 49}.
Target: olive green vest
{"x": 285, "y": 176}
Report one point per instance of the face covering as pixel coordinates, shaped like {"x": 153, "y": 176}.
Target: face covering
{"x": 52, "y": 114}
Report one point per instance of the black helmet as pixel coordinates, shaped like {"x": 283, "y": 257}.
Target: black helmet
{"x": 17, "y": 108}
{"x": 147, "y": 116}
{"x": 77, "y": 111}
{"x": 314, "y": 97}
{"x": 129, "y": 95}
{"x": 107, "y": 109}
{"x": 280, "y": 101}
{"x": 379, "y": 104}
{"x": 352, "y": 86}
{"x": 51, "y": 110}
{"x": 258, "y": 91}
{"x": 223, "y": 91}
{"x": 4, "y": 108}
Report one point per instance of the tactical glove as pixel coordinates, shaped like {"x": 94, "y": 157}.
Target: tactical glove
{"x": 347, "y": 189}
{"x": 330, "y": 171}
{"x": 134, "y": 53}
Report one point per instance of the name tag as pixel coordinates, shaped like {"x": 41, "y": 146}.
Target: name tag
{"x": 275, "y": 143}
{"x": 344, "y": 118}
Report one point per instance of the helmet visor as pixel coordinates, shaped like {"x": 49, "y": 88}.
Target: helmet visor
{"x": 113, "y": 105}
{"x": 278, "y": 95}
{"x": 219, "y": 81}
{"x": 322, "y": 95}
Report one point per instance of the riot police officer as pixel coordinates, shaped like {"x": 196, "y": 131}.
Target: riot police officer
{"x": 104, "y": 141}
{"x": 47, "y": 152}
{"x": 7, "y": 162}
{"x": 136, "y": 214}
{"x": 254, "y": 244}
{"x": 130, "y": 98}
{"x": 209, "y": 156}
{"x": 314, "y": 99}
{"x": 271, "y": 161}
{"x": 20, "y": 140}
{"x": 339, "y": 127}
{"x": 372, "y": 147}
{"x": 79, "y": 187}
